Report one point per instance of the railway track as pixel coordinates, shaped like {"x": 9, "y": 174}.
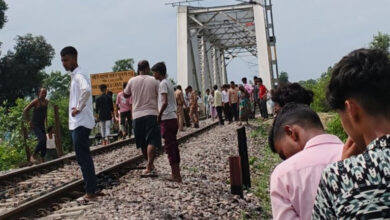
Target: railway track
{"x": 38, "y": 191}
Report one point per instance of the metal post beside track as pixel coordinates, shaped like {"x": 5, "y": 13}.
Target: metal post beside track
{"x": 243, "y": 151}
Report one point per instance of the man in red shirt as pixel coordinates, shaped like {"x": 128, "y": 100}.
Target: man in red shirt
{"x": 263, "y": 98}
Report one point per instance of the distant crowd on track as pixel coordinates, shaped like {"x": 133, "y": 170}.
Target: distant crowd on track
{"x": 320, "y": 178}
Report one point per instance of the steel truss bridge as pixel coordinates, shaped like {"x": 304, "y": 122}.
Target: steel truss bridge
{"x": 207, "y": 36}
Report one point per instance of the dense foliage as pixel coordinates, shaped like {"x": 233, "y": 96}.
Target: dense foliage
{"x": 20, "y": 69}
{"x": 334, "y": 127}
{"x": 319, "y": 86}
{"x": 123, "y": 65}
{"x": 12, "y": 147}
{"x": 3, "y": 17}
{"x": 12, "y": 144}
{"x": 381, "y": 42}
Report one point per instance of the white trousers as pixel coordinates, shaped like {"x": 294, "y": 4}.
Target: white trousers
{"x": 105, "y": 127}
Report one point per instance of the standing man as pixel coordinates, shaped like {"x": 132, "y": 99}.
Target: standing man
{"x": 225, "y": 103}
{"x": 144, "y": 91}
{"x": 256, "y": 101}
{"x": 193, "y": 106}
{"x": 187, "y": 107}
{"x": 168, "y": 119}
{"x": 218, "y": 104}
{"x": 124, "y": 106}
{"x": 37, "y": 124}
{"x": 233, "y": 100}
{"x": 263, "y": 98}
{"x": 181, "y": 104}
{"x": 81, "y": 119}
{"x": 358, "y": 186}
{"x": 105, "y": 111}
{"x": 206, "y": 103}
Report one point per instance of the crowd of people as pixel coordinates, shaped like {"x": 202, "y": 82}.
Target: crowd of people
{"x": 321, "y": 177}
{"x": 238, "y": 102}
{"x": 150, "y": 106}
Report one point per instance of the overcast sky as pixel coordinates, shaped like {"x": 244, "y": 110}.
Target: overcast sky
{"x": 311, "y": 34}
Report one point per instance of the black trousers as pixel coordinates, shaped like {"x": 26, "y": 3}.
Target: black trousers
{"x": 187, "y": 118}
{"x": 41, "y": 145}
{"x": 256, "y": 103}
{"x": 126, "y": 122}
{"x": 263, "y": 108}
{"x": 219, "y": 112}
{"x": 226, "y": 111}
{"x": 234, "y": 111}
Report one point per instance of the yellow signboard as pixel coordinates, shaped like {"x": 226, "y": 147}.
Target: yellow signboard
{"x": 113, "y": 80}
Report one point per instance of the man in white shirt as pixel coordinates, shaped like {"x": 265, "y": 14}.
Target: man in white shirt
{"x": 81, "y": 119}
{"x": 168, "y": 119}
{"x": 225, "y": 103}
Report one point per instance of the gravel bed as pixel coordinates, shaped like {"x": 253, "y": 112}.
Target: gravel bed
{"x": 204, "y": 193}
{"x": 13, "y": 195}
{"x": 202, "y": 123}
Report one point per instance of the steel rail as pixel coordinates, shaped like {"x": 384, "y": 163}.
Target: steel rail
{"x": 40, "y": 201}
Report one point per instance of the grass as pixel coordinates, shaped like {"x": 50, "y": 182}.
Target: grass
{"x": 263, "y": 168}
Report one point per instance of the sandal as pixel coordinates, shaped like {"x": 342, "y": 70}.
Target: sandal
{"x": 86, "y": 199}
{"x": 147, "y": 173}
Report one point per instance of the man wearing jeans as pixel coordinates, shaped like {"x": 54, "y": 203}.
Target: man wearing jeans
{"x": 168, "y": 119}
{"x": 81, "y": 119}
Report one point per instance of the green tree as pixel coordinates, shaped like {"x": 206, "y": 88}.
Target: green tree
{"x": 319, "y": 87}
{"x": 283, "y": 78}
{"x": 381, "y": 42}
{"x": 123, "y": 65}
{"x": 20, "y": 70}
{"x": 57, "y": 84}
{"x": 3, "y": 17}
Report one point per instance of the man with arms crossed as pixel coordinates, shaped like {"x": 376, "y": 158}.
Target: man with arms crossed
{"x": 300, "y": 139}
{"x": 168, "y": 119}
{"x": 359, "y": 187}
{"x": 81, "y": 119}
{"x": 143, "y": 90}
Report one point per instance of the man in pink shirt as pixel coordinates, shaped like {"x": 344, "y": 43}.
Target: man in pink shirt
{"x": 144, "y": 91}
{"x": 124, "y": 106}
{"x": 300, "y": 139}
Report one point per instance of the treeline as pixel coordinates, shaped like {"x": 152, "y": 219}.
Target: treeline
{"x": 21, "y": 73}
